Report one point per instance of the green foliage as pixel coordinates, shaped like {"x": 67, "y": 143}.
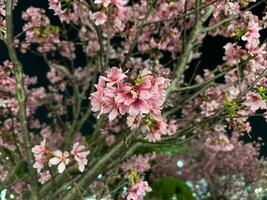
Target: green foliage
{"x": 133, "y": 177}
{"x": 170, "y": 149}
{"x": 174, "y": 149}
{"x": 169, "y": 188}
{"x": 67, "y": 5}
{"x": 21, "y": 169}
{"x": 42, "y": 32}
{"x": 230, "y": 106}
{"x": 239, "y": 33}
{"x": 262, "y": 92}
{"x": 138, "y": 80}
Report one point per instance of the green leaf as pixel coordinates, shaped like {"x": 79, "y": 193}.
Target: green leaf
{"x": 262, "y": 92}
{"x": 239, "y": 33}
{"x": 167, "y": 188}
{"x": 21, "y": 169}
{"x": 231, "y": 107}
{"x": 170, "y": 149}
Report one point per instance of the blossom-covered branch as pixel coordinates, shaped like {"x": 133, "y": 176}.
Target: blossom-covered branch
{"x": 124, "y": 102}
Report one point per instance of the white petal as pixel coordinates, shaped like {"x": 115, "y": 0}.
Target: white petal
{"x": 58, "y": 153}
{"x": 81, "y": 167}
{"x": 61, "y": 167}
{"x": 54, "y": 161}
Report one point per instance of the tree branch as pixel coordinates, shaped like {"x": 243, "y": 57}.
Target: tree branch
{"x": 183, "y": 59}
{"x": 97, "y": 168}
{"x": 20, "y": 93}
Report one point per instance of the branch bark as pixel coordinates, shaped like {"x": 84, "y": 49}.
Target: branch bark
{"x": 20, "y": 94}
{"x": 183, "y": 59}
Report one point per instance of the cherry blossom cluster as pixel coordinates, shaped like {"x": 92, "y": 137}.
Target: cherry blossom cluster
{"x": 39, "y": 30}
{"x": 223, "y": 167}
{"x": 140, "y": 97}
{"x": 9, "y": 105}
{"x": 61, "y": 159}
{"x": 138, "y": 188}
{"x": 66, "y": 10}
{"x": 2, "y": 15}
{"x": 214, "y": 163}
{"x": 117, "y": 9}
{"x": 138, "y": 163}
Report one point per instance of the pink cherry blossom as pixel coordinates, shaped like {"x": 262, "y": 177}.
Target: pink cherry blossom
{"x": 254, "y": 101}
{"x": 65, "y": 15}
{"x": 60, "y": 159}
{"x": 134, "y": 121}
{"x": 114, "y": 75}
{"x": 139, "y": 163}
{"x": 171, "y": 127}
{"x": 99, "y": 18}
{"x": 252, "y": 35}
{"x": 79, "y": 153}
{"x": 138, "y": 190}
{"x": 40, "y": 161}
{"x": 140, "y": 95}
{"x": 39, "y": 30}
{"x": 39, "y": 150}
{"x": 158, "y": 129}
{"x": 119, "y": 3}
{"x": 138, "y": 106}
{"x": 233, "y": 53}
{"x": 44, "y": 177}
{"x": 219, "y": 143}
{"x": 125, "y": 94}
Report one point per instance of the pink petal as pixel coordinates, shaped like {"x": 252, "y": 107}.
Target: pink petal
{"x": 113, "y": 114}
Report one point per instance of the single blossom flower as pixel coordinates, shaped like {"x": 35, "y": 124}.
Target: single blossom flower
{"x": 79, "y": 153}
{"x": 39, "y": 163}
{"x": 158, "y": 129}
{"x": 99, "y": 18}
{"x": 114, "y": 75}
{"x": 39, "y": 150}
{"x": 44, "y": 177}
{"x": 60, "y": 159}
{"x": 254, "y": 101}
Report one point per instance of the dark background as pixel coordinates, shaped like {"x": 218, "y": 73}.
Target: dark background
{"x": 212, "y": 52}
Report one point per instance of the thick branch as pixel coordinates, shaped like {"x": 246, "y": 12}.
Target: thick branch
{"x": 20, "y": 93}
{"x": 183, "y": 59}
